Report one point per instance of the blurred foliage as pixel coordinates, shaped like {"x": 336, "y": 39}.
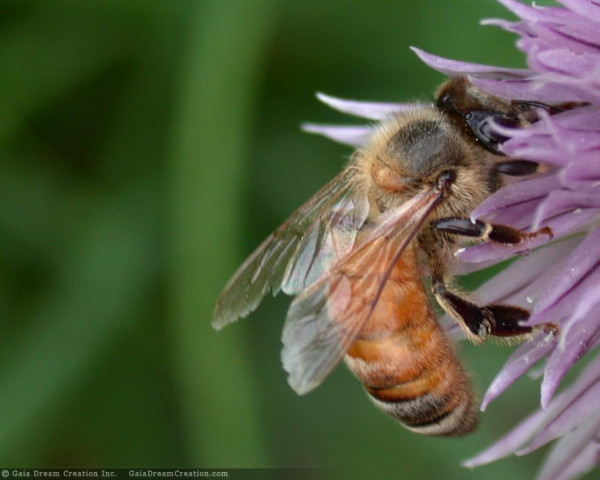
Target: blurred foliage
{"x": 147, "y": 147}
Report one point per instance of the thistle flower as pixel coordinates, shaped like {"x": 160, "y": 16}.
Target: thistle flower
{"x": 559, "y": 283}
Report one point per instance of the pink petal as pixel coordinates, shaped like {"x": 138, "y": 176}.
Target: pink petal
{"x": 510, "y": 285}
{"x": 370, "y": 110}
{"x": 584, "y": 8}
{"x": 582, "y": 118}
{"x": 525, "y": 357}
{"x": 348, "y": 135}
{"x": 568, "y": 448}
{"x": 564, "y": 200}
{"x": 581, "y": 463}
{"x": 578, "y": 265}
{"x": 512, "y": 441}
{"x": 516, "y": 194}
{"x": 520, "y": 10}
{"x": 575, "y": 341}
{"x": 571, "y": 415}
{"x": 534, "y": 89}
{"x": 565, "y": 61}
{"x": 521, "y": 434}
{"x": 586, "y": 168}
{"x": 454, "y": 68}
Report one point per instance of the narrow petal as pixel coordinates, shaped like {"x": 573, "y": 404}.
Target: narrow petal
{"x": 511, "y": 283}
{"x": 582, "y": 463}
{"x": 585, "y": 88}
{"x": 556, "y": 25}
{"x": 565, "y": 61}
{"x": 584, "y": 8}
{"x": 534, "y": 89}
{"x": 454, "y": 68}
{"x": 528, "y": 428}
{"x": 564, "y": 200}
{"x": 571, "y": 301}
{"x": 579, "y": 340}
{"x": 586, "y": 168}
{"x": 511, "y": 442}
{"x": 569, "y": 447}
{"x": 520, "y": 10}
{"x": 582, "y": 118}
{"x": 577, "y": 266}
{"x": 370, "y": 110}
{"x": 513, "y": 27}
{"x": 516, "y": 194}
{"x": 348, "y": 135}
{"x": 518, "y": 216}
{"x": 570, "y": 416}
{"x": 525, "y": 357}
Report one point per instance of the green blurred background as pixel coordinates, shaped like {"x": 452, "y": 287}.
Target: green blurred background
{"x": 147, "y": 147}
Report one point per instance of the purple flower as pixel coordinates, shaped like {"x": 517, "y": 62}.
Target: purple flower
{"x": 560, "y": 282}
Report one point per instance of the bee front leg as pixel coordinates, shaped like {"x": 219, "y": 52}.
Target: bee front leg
{"x": 502, "y": 234}
{"x": 517, "y": 168}
{"x": 479, "y": 322}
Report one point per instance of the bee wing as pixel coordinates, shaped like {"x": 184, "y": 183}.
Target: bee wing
{"x": 300, "y": 251}
{"x": 325, "y": 319}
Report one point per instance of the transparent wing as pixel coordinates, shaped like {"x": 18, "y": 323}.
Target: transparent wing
{"x": 300, "y": 251}
{"x": 325, "y": 319}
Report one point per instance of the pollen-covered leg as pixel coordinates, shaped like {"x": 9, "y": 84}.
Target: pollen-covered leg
{"x": 502, "y": 234}
{"x": 478, "y": 322}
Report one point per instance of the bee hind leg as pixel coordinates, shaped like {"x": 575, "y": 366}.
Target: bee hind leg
{"x": 502, "y": 234}
{"x": 479, "y": 322}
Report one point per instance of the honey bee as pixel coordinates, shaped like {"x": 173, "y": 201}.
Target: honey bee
{"x": 354, "y": 255}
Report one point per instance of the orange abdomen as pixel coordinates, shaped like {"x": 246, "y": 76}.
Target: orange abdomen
{"x": 406, "y": 363}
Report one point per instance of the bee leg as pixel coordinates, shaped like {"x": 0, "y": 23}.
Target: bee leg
{"x": 517, "y": 168}
{"x": 502, "y": 234}
{"x": 478, "y": 322}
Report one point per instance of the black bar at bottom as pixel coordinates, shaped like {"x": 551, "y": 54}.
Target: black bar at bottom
{"x": 165, "y": 473}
